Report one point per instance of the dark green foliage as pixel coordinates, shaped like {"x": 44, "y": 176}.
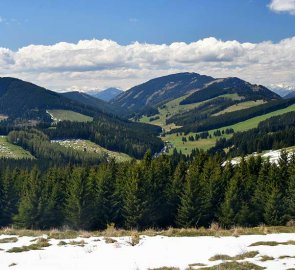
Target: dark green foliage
{"x": 112, "y": 133}
{"x": 39, "y": 145}
{"x": 158, "y": 193}
{"x": 274, "y": 133}
{"x": 20, "y": 99}
{"x": 230, "y": 118}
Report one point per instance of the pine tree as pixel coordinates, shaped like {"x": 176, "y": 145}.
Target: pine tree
{"x": 29, "y": 207}
{"x": 189, "y": 212}
{"x": 133, "y": 208}
{"x": 273, "y": 208}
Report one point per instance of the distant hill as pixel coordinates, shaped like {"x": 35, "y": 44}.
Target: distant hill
{"x": 20, "y": 99}
{"x": 290, "y": 95}
{"x": 92, "y": 101}
{"x": 161, "y": 90}
{"x": 231, "y": 86}
{"x": 192, "y": 86}
{"x": 282, "y": 89}
{"x": 107, "y": 94}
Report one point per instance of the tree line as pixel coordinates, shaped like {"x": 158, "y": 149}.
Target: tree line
{"x": 151, "y": 193}
{"x": 230, "y": 118}
{"x": 274, "y": 133}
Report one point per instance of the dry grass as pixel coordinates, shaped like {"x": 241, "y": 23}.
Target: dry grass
{"x": 242, "y": 256}
{"x": 165, "y": 268}
{"x": 109, "y": 240}
{"x": 134, "y": 239}
{"x": 234, "y": 266}
{"x": 39, "y": 245}
{"x": 272, "y": 243}
{"x": 8, "y": 240}
{"x": 265, "y": 258}
{"x": 111, "y": 231}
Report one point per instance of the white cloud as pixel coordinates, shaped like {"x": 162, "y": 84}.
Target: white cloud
{"x": 283, "y": 6}
{"x": 96, "y": 64}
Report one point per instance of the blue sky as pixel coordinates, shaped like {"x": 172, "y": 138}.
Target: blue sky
{"x": 94, "y": 44}
{"x": 151, "y": 21}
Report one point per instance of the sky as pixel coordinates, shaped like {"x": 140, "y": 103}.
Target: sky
{"x": 95, "y": 44}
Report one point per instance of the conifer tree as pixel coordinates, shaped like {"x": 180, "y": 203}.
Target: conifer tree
{"x": 133, "y": 205}
{"x": 273, "y": 208}
{"x": 29, "y": 207}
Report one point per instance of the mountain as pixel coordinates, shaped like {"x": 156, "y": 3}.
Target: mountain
{"x": 290, "y": 95}
{"x": 107, "y": 94}
{"x": 92, "y": 101}
{"x": 20, "y": 99}
{"x": 192, "y": 87}
{"x": 282, "y": 89}
{"x": 160, "y": 90}
{"x": 231, "y": 85}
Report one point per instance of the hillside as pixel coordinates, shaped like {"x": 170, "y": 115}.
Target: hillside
{"x": 95, "y": 102}
{"x": 20, "y": 99}
{"x": 23, "y": 102}
{"x": 192, "y": 88}
{"x": 160, "y": 90}
{"x": 107, "y": 94}
{"x": 231, "y": 86}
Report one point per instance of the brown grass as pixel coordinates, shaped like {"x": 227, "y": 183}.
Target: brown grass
{"x": 8, "y": 240}
{"x": 111, "y": 231}
{"x": 39, "y": 245}
{"x": 272, "y": 243}
{"x": 242, "y": 256}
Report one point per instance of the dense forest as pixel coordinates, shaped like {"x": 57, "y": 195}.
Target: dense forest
{"x": 229, "y": 118}
{"x": 162, "y": 192}
{"x": 274, "y": 133}
{"x": 117, "y": 135}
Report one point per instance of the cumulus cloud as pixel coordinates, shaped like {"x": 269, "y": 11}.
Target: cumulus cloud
{"x": 283, "y": 6}
{"x": 96, "y": 64}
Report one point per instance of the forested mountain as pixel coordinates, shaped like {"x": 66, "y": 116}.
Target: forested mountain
{"x": 23, "y": 100}
{"x": 199, "y": 88}
{"x": 97, "y": 103}
{"x": 160, "y": 90}
{"x": 107, "y": 94}
{"x": 231, "y": 86}
{"x": 20, "y": 99}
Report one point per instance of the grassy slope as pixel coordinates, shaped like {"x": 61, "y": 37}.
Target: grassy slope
{"x": 62, "y": 115}
{"x": 205, "y": 144}
{"x": 8, "y": 150}
{"x": 241, "y": 106}
{"x": 172, "y": 108}
{"x": 80, "y": 145}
